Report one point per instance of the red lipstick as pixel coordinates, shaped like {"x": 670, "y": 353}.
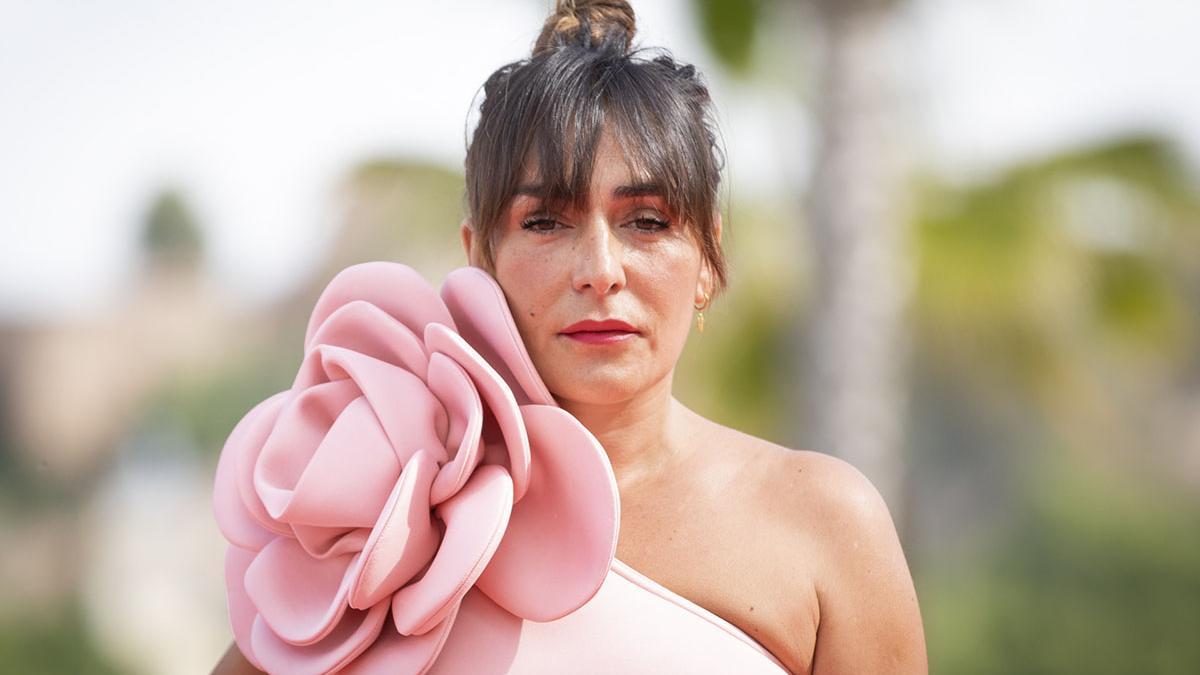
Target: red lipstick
{"x": 605, "y": 331}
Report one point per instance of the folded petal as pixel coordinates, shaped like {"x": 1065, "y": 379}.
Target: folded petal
{"x": 351, "y": 637}
{"x": 453, "y": 387}
{"x": 404, "y": 539}
{"x": 300, "y": 597}
{"x": 496, "y": 394}
{"x": 327, "y": 542}
{"x": 246, "y": 444}
{"x": 484, "y": 320}
{"x": 349, "y": 476}
{"x": 409, "y": 414}
{"x": 365, "y": 328}
{"x": 563, "y": 535}
{"x": 475, "y": 520}
{"x": 397, "y": 289}
{"x": 298, "y": 431}
{"x": 241, "y": 610}
{"x": 234, "y": 519}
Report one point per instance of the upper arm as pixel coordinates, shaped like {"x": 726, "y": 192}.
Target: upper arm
{"x": 869, "y": 619}
{"x": 233, "y": 663}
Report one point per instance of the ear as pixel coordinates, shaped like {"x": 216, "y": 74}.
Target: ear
{"x": 470, "y": 243}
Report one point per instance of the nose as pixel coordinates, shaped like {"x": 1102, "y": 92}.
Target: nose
{"x": 598, "y": 264}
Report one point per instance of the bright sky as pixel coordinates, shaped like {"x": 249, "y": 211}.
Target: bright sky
{"x": 255, "y": 109}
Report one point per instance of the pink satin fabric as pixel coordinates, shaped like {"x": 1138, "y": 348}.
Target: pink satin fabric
{"x": 417, "y": 502}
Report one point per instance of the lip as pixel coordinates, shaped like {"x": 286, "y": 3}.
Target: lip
{"x": 605, "y": 331}
{"x": 601, "y": 326}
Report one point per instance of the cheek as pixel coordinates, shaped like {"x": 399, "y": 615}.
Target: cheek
{"x": 527, "y": 280}
{"x": 667, "y": 281}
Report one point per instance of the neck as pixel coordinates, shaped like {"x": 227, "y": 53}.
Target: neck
{"x": 641, "y": 435}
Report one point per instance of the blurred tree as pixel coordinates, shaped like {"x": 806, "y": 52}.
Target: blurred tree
{"x": 730, "y": 28}
{"x": 1069, "y": 280}
{"x": 391, "y": 208}
{"x": 1098, "y": 575}
{"x": 1066, "y": 288}
{"x": 170, "y": 236}
{"x": 60, "y": 643}
{"x": 397, "y": 208}
{"x": 857, "y": 345}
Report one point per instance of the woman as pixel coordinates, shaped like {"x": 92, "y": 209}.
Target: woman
{"x": 592, "y": 186}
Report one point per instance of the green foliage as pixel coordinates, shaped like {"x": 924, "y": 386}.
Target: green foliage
{"x": 730, "y": 28}
{"x": 738, "y": 362}
{"x": 1063, "y": 285}
{"x": 408, "y": 211}
{"x": 734, "y": 371}
{"x": 207, "y": 409}
{"x": 1100, "y": 575}
{"x": 1083, "y": 247}
{"x": 59, "y": 643}
{"x": 170, "y": 232}
{"x": 1133, "y": 297}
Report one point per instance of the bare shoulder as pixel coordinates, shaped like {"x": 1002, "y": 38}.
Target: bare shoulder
{"x": 818, "y": 491}
{"x": 234, "y": 663}
{"x": 828, "y": 514}
{"x": 828, "y": 494}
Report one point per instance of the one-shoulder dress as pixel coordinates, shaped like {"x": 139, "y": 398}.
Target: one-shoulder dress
{"x": 417, "y": 502}
{"x": 633, "y": 625}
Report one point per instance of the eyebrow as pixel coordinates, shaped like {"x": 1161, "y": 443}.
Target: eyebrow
{"x": 621, "y": 192}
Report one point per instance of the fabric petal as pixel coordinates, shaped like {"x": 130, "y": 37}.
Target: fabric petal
{"x": 246, "y": 444}
{"x": 327, "y": 542}
{"x": 403, "y": 541}
{"x": 409, "y": 414}
{"x": 495, "y": 393}
{"x": 364, "y": 328}
{"x": 453, "y": 387}
{"x": 299, "y": 430}
{"x": 354, "y": 452}
{"x": 475, "y": 520}
{"x": 234, "y": 519}
{"x": 241, "y": 610}
{"x": 484, "y": 320}
{"x": 563, "y": 535}
{"x": 351, "y": 637}
{"x": 395, "y": 288}
{"x": 301, "y": 598}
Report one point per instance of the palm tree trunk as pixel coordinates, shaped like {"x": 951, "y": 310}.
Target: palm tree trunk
{"x": 858, "y": 347}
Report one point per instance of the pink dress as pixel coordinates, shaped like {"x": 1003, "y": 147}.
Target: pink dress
{"x": 633, "y": 625}
{"x": 416, "y": 502}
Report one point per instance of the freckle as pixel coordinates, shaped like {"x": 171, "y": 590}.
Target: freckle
{"x": 751, "y": 608}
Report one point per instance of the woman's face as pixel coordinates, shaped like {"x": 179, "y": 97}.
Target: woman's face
{"x": 625, "y": 258}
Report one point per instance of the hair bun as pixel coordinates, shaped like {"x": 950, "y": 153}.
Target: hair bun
{"x": 587, "y": 23}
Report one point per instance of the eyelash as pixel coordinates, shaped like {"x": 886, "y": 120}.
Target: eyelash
{"x": 659, "y": 225}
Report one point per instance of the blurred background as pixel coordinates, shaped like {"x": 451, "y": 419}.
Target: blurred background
{"x": 965, "y": 246}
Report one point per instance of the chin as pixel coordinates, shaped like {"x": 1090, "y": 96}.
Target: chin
{"x": 609, "y": 386}
{"x": 596, "y": 390}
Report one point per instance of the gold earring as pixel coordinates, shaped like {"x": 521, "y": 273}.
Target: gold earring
{"x": 700, "y": 313}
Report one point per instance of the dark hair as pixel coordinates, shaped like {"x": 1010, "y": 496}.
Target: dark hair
{"x": 552, "y": 107}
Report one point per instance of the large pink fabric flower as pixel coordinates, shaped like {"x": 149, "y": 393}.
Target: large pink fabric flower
{"x": 417, "y": 458}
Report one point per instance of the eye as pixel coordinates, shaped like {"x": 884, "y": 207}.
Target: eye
{"x": 539, "y": 224}
{"x": 650, "y": 224}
